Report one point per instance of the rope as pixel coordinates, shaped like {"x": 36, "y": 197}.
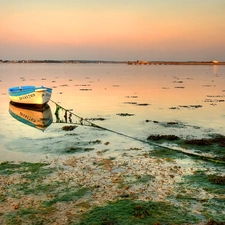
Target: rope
{"x": 100, "y": 127}
{"x": 85, "y": 122}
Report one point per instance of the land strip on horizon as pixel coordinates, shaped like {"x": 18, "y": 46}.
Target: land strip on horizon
{"x": 138, "y": 62}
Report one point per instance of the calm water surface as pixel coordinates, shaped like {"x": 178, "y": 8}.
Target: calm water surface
{"x": 191, "y": 95}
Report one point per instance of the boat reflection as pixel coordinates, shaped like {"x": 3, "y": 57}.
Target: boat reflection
{"x": 39, "y": 118}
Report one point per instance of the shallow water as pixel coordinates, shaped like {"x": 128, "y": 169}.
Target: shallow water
{"x": 194, "y": 96}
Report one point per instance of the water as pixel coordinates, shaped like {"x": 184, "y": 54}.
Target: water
{"x": 193, "y": 96}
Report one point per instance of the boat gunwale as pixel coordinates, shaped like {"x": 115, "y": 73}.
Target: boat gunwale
{"x": 24, "y": 90}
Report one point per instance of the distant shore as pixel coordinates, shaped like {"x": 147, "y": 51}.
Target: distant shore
{"x": 175, "y": 63}
{"x": 138, "y": 62}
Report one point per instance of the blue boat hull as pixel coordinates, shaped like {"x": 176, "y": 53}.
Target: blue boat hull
{"x": 30, "y": 95}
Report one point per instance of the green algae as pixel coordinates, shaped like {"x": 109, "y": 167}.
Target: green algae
{"x": 203, "y": 181}
{"x": 198, "y": 189}
{"x": 36, "y": 188}
{"x": 35, "y": 169}
{"x": 124, "y": 212}
{"x": 2, "y": 197}
{"x": 7, "y": 168}
{"x": 213, "y": 209}
{"x": 29, "y": 179}
{"x": 167, "y": 153}
{"x": 213, "y": 146}
{"x": 144, "y": 178}
{"x": 66, "y": 196}
{"x": 216, "y": 179}
{"x": 37, "y": 216}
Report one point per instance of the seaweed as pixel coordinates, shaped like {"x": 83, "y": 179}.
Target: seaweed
{"x": 216, "y": 179}
{"x": 213, "y": 222}
{"x": 8, "y": 168}
{"x": 66, "y": 197}
{"x": 215, "y": 153}
{"x": 125, "y": 114}
{"x": 213, "y": 209}
{"x": 169, "y": 137}
{"x": 68, "y": 128}
{"x": 130, "y": 212}
{"x": 218, "y": 139}
{"x": 194, "y": 189}
{"x": 144, "y": 178}
{"x": 198, "y": 142}
{"x": 208, "y": 183}
{"x": 167, "y": 154}
{"x": 29, "y": 216}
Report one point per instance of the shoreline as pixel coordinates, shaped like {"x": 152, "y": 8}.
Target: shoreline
{"x": 73, "y": 189}
{"x": 84, "y": 186}
{"x": 175, "y": 63}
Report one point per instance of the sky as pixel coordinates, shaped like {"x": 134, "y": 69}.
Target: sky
{"x": 176, "y": 30}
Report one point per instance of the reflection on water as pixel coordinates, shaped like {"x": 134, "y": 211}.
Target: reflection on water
{"x": 39, "y": 118}
{"x": 134, "y": 100}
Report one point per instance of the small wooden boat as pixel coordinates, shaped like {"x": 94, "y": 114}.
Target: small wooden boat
{"x": 30, "y": 94}
{"x": 30, "y": 116}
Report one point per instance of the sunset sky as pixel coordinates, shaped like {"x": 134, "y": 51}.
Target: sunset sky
{"x": 112, "y": 30}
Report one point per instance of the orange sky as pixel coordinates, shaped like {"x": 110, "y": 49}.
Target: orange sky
{"x": 118, "y": 30}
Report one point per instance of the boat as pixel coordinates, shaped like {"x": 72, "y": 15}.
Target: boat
{"x": 34, "y": 117}
{"x": 30, "y": 95}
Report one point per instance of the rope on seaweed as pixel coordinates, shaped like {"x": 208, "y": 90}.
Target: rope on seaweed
{"x": 85, "y": 122}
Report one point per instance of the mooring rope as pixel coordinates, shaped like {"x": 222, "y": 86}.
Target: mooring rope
{"x": 85, "y": 122}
